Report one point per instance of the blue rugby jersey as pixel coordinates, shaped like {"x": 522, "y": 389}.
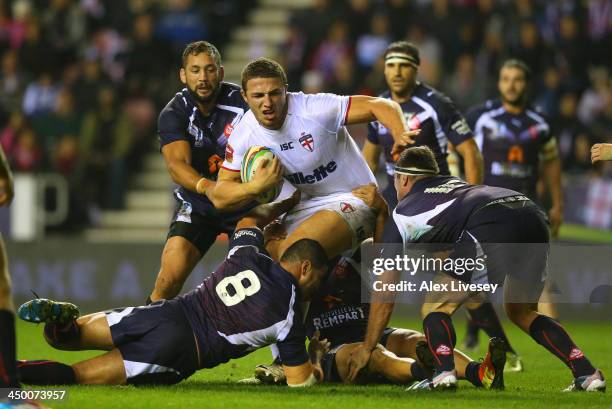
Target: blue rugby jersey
{"x": 207, "y": 135}
{"x": 248, "y": 302}
{"x": 435, "y": 115}
{"x": 337, "y": 310}
{"x": 511, "y": 145}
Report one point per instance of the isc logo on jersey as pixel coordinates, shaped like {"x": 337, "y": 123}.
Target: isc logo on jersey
{"x": 250, "y": 163}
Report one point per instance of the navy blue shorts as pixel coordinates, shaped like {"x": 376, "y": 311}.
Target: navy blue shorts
{"x": 156, "y": 342}
{"x": 515, "y": 239}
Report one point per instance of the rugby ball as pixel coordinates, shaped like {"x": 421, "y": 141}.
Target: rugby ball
{"x": 251, "y": 161}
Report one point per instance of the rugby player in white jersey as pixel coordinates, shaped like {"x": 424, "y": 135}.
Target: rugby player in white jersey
{"x": 307, "y": 134}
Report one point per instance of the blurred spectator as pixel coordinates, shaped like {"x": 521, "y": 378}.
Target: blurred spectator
{"x": 530, "y": 47}
{"x": 431, "y": 53}
{"x": 88, "y": 86}
{"x": 12, "y": 82}
{"x": 572, "y": 135}
{"x": 358, "y": 15}
{"x": 602, "y": 124}
{"x": 147, "y": 58}
{"x": 60, "y": 126}
{"x": 344, "y": 78}
{"x": 64, "y": 27}
{"x": 8, "y": 135}
{"x": 292, "y": 54}
{"x": 441, "y": 22}
{"x": 547, "y": 97}
{"x": 372, "y": 45}
{"x": 401, "y": 15}
{"x": 464, "y": 86}
{"x": 36, "y": 49}
{"x": 312, "y": 82}
{"x": 26, "y": 155}
{"x": 182, "y": 23}
{"x": 106, "y": 140}
{"x": 335, "y": 46}
{"x": 40, "y": 95}
{"x": 594, "y": 99}
{"x": 599, "y": 31}
{"x": 106, "y": 45}
{"x": 571, "y": 53}
{"x": 13, "y": 17}
{"x": 314, "y": 22}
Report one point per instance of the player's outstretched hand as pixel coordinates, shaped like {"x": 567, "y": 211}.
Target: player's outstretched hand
{"x": 6, "y": 190}
{"x": 404, "y": 140}
{"x": 267, "y": 175}
{"x": 371, "y": 196}
{"x": 317, "y": 348}
{"x": 360, "y": 356}
{"x": 601, "y": 151}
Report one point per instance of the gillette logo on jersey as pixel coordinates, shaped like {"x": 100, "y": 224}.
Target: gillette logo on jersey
{"x": 318, "y": 174}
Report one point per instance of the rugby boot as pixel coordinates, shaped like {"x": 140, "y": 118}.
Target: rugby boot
{"x": 48, "y": 311}
{"x": 588, "y": 383}
{"x": 272, "y": 374}
{"x": 491, "y": 370}
{"x": 446, "y": 380}
{"x": 514, "y": 363}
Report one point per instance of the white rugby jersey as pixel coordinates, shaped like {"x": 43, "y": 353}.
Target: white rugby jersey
{"x": 316, "y": 150}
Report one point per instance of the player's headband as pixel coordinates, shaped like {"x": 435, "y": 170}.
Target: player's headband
{"x": 396, "y": 57}
{"x": 413, "y": 171}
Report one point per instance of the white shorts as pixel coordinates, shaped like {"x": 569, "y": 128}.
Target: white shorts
{"x": 360, "y": 218}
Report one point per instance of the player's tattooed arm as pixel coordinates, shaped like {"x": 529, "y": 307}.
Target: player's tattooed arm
{"x": 6, "y": 181}
{"x": 473, "y": 162}
{"x": 389, "y": 113}
{"x": 177, "y": 156}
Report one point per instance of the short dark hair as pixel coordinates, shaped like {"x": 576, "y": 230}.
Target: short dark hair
{"x": 520, "y": 64}
{"x": 263, "y": 68}
{"x": 198, "y": 47}
{"x": 420, "y": 157}
{"x": 306, "y": 249}
{"x": 404, "y": 47}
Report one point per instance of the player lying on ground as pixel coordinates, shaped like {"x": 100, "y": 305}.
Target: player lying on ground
{"x": 442, "y": 209}
{"x": 249, "y": 302}
{"x": 307, "y": 134}
{"x": 338, "y": 314}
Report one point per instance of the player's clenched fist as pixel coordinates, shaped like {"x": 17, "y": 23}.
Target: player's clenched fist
{"x": 601, "y": 151}
{"x": 268, "y": 175}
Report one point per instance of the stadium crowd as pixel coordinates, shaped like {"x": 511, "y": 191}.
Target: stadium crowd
{"x": 337, "y": 45}
{"x": 82, "y": 83}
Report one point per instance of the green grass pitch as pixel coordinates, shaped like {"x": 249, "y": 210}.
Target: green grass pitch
{"x": 539, "y": 386}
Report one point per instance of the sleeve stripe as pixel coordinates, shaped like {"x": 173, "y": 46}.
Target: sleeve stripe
{"x": 230, "y": 169}
{"x": 348, "y": 107}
